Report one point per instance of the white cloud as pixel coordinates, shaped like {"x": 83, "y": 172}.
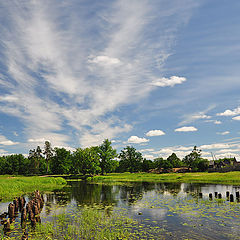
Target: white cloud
{"x": 190, "y": 118}
{"x": 236, "y": 118}
{"x": 186, "y": 129}
{"x": 229, "y": 112}
{"x": 105, "y": 60}
{"x": 217, "y": 122}
{"x": 148, "y": 156}
{"x": 6, "y": 142}
{"x": 39, "y": 140}
{"x": 223, "y": 133}
{"x": 136, "y": 139}
{"x": 146, "y": 150}
{"x": 215, "y": 146}
{"x": 152, "y": 133}
{"x": 166, "y": 82}
{"x": 8, "y": 98}
{"x": 2, "y": 152}
{"x": 54, "y": 61}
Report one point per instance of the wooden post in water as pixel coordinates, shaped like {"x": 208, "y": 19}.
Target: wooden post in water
{"x": 231, "y": 198}
{"x": 237, "y": 194}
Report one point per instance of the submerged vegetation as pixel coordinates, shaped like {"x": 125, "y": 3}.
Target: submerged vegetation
{"x": 14, "y": 186}
{"x": 198, "y": 177}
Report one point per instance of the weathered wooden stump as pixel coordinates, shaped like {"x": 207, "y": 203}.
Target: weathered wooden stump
{"x": 16, "y": 204}
{"x": 227, "y": 194}
{"x": 237, "y": 194}
{"x": 24, "y": 215}
{"x": 22, "y": 202}
{"x": 35, "y": 210}
{"x": 11, "y": 210}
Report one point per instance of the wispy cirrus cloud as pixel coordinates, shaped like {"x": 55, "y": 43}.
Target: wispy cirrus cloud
{"x": 223, "y": 133}
{"x": 65, "y": 80}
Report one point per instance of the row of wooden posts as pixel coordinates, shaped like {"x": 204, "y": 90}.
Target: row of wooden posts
{"x": 31, "y": 211}
{"x": 229, "y": 196}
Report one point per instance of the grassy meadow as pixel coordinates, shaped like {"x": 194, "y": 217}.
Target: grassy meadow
{"x": 14, "y": 186}
{"x": 196, "y": 177}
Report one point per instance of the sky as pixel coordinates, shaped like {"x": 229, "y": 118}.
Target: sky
{"x": 159, "y": 75}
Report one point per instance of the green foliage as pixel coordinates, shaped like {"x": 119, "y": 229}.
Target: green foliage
{"x": 130, "y": 160}
{"x": 86, "y": 161}
{"x": 161, "y": 163}
{"x": 61, "y": 161}
{"x": 194, "y": 161}
{"x": 174, "y": 160}
{"x": 147, "y": 165}
{"x": 48, "y": 152}
{"x": 106, "y": 155}
{"x": 13, "y": 164}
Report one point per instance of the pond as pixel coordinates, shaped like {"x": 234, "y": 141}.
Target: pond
{"x": 159, "y": 210}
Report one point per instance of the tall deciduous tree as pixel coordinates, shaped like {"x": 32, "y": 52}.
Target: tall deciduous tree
{"x": 61, "y": 161}
{"x": 106, "y": 155}
{"x": 86, "y": 161}
{"x": 174, "y": 160}
{"x": 48, "y": 152}
{"x": 130, "y": 160}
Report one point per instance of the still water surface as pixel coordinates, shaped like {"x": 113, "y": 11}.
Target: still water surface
{"x": 162, "y": 210}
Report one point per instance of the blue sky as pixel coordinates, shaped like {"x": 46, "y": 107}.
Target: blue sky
{"x": 159, "y": 75}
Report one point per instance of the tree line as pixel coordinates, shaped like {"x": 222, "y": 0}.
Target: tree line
{"x": 94, "y": 160}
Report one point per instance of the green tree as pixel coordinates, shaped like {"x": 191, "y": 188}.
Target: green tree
{"x": 194, "y": 160}
{"x": 161, "y": 163}
{"x": 130, "y": 160}
{"x": 48, "y": 152}
{"x": 86, "y": 161}
{"x": 147, "y": 165}
{"x": 61, "y": 161}
{"x": 106, "y": 155}
{"x": 32, "y": 156}
{"x": 174, "y": 160}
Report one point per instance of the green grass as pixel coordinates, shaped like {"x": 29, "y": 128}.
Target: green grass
{"x": 198, "y": 177}
{"x": 14, "y": 186}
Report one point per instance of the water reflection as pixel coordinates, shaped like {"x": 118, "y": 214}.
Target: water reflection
{"x": 182, "y": 209}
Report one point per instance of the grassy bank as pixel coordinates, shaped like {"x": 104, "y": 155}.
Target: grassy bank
{"x": 11, "y": 186}
{"x": 199, "y": 177}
